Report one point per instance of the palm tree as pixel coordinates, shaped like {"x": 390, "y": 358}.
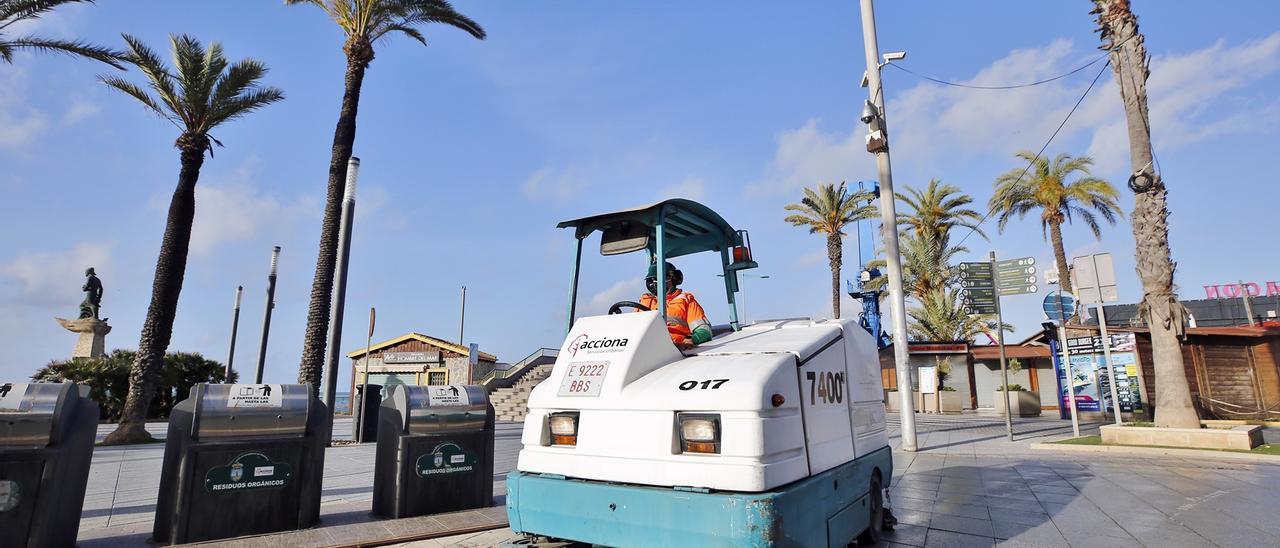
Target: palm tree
{"x": 827, "y": 211}
{"x": 202, "y": 93}
{"x": 364, "y": 22}
{"x": 927, "y": 261}
{"x": 926, "y": 236}
{"x": 1044, "y": 187}
{"x": 1164, "y": 315}
{"x": 15, "y": 11}
{"x": 937, "y": 209}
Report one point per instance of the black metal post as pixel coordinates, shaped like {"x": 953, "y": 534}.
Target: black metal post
{"x": 266, "y": 317}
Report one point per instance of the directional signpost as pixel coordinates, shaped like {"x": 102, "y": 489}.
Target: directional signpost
{"x": 984, "y": 284}
{"x": 979, "y": 283}
{"x": 1016, "y": 276}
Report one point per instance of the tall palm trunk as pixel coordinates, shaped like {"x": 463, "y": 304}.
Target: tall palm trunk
{"x": 359, "y": 54}
{"x": 157, "y": 329}
{"x": 1160, "y": 308}
{"x": 1060, "y": 255}
{"x": 835, "y": 257}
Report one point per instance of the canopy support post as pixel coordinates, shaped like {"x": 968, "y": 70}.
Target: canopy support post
{"x": 730, "y": 288}
{"x": 573, "y": 285}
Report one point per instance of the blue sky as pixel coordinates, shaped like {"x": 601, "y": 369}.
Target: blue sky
{"x": 473, "y": 150}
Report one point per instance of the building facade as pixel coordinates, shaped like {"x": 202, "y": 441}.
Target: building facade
{"x": 417, "y": 359}
{"x": 973, "y": 371}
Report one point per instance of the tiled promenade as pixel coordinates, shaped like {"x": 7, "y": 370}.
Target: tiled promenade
{"x": 967, "y": 486}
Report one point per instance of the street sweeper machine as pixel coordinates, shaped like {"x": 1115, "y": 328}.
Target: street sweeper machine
{"x": 768, "y": 434}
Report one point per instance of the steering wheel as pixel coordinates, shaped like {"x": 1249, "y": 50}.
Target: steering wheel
{"x": 618, "y": 306}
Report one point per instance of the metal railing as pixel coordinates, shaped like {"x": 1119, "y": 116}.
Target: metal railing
{"x": 519, "y": 367}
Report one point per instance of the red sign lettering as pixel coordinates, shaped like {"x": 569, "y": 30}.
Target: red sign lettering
{"x": 1235, "y": 290}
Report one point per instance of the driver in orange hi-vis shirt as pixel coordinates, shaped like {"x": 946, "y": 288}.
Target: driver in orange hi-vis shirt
{"x": 686, "y": 321}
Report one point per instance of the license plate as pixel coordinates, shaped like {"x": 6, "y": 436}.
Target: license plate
{"x": 584, "y": 379}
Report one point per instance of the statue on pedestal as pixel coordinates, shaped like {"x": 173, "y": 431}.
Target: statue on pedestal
{"x": 92, "y": 295}
{"x": 92, "y": 330}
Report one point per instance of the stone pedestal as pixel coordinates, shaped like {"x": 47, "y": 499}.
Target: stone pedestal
{"x": 93, "y": 336}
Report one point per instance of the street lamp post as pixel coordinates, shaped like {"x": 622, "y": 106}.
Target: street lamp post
{"x": 742, "y": 288}
{"x": 340, "y": 287}
{"x": 878, "y": 143}
{"x": 235, "y": 326}
{"x": 266, "y": 316}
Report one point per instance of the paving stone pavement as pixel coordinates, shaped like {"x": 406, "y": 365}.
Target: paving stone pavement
{"x": 120, "y": 500}
{"x": 967, "y": 486}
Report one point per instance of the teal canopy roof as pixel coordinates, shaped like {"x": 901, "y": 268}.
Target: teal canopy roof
{"x": 688, "y": 226}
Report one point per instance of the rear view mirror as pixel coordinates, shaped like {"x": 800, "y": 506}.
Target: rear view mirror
{"x": 624, "y": 238}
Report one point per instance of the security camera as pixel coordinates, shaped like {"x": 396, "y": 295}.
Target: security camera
{"x": 894, "y": 56}
{"x": 869, "y": 112}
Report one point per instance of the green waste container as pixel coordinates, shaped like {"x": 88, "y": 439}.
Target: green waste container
{"x": 46, "y": 445}
{"x": 435, "y": 451}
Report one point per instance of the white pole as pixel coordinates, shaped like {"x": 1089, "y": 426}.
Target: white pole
{"x": 1106, "y": 342}
{"x": 1004, "y": 364}
{"x": 1066, "y": 362}
{"x": 889, "y": 224}
{"x": 1106, "y": 354}
{"x": 333, "y": 356}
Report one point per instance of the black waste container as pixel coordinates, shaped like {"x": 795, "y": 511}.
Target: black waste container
{"x": 365, "y": 409}
{"x": 46, "y": 445}
{"x": 241, "y": 459}
{"x": 435, "y": 451}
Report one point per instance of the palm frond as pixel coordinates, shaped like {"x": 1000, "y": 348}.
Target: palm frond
{"x": 132, "y": 90}
{"x": 244, "y": 104}
{"x": 372, "y": 20}
{"x": 406, "y": 30}
{"x": 12, "y": 11}
{"x": 69, "y": 47}
{"x": 441, "y": 12}
{"x": 241, "y": 77}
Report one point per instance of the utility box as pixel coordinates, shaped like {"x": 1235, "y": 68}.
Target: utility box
{"x": 46, "y": 445}
{"x": 435, "y": 451}
{"x": 241, "y": 459}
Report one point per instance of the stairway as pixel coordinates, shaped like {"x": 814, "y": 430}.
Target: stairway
{"x": 511, "y": 404}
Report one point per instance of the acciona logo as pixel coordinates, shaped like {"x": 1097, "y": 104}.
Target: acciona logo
{"x": 588, "y": 345}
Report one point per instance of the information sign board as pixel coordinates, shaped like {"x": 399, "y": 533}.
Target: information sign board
{"x": 928, "y": 379}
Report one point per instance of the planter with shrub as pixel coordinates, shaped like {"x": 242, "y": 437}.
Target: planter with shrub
{"x": 1025, "y": 403}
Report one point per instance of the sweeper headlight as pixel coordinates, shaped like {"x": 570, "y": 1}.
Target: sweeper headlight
{"x": 699, "y": 433}
{"x": 564, "y": 428}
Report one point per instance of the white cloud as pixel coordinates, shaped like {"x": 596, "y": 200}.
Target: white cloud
{"x": 559, "y": 185}
{"x": 1190, "y": 98}
{"x": 20, "y": 124}
{"x": 625, "y": 290}
{"x": 54, "y": 24}
{"x": 811, "y": 259}
{"x": 235, "y": 212}
{"x": 236, "y": 209}
{"x": 809, "y": 155}
{"x": 54, "y": 277}
{"x": 691, "y": 188}
{"x": 81, "y": 108}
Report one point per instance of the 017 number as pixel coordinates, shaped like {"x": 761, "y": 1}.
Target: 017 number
{"x": 713, "y": 384}
{"x": 825, "y": 385}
